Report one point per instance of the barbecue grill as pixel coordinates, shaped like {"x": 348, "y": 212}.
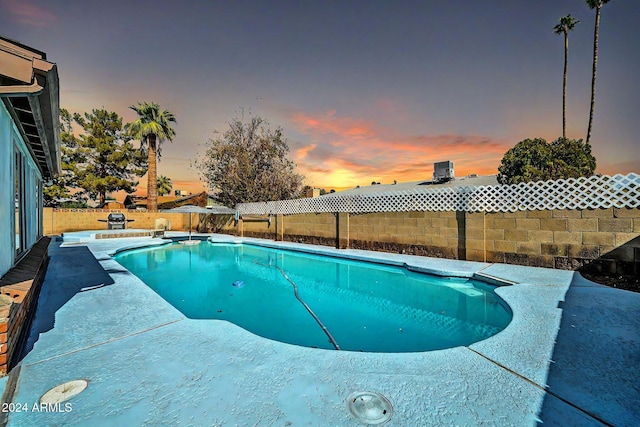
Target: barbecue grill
{"x": 116, "y": 221}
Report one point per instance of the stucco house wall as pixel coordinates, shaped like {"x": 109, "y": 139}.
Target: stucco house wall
{"x": 29, "y": 154}
{"x": 6, "y": 195}
{"x": 29, "y": 145}
{"x": 10, "y": 240}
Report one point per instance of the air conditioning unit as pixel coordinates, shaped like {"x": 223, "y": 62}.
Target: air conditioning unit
{"x": 443, "y": 171}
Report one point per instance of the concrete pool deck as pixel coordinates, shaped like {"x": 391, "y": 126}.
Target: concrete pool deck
{"x": 571, "y": 356}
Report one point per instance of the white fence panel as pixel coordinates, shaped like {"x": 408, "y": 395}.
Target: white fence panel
{"x": 595, "y": 192}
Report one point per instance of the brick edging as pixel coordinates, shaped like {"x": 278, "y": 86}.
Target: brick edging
{"x": 19, "y": 290}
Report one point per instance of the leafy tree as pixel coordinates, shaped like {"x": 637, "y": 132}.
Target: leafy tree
{"x": 566, "y": 24}
{"x": 106, "y": 160}
{"x": 53, "y": 192}
{"x": 58, "y": 188}
{"x": 152, "y": 127}
{"x": 164, "y": 185}
{"x": 74, "y": 204}
{"x": 536, "y": 160}
{"x": 571, "y": 158}
{"x": 597, "y": 5}
{"x": 527, "y": 161}
{"x": 248, "y": 164}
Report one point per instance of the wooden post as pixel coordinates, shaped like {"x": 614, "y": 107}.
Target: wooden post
{"x": 239, "y": 228}
{"x": 279, "y": 227}
{"x": 342, "y": 230}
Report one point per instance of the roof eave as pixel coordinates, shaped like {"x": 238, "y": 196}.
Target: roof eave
{"x": 41, "y": 94}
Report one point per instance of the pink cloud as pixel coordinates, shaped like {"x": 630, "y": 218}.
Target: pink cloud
{"x": 319, "y": 170}
{"x": 348, "y": 152}
{"x": 25, "y": 12}
{"x": 330, "y": 124}
{"x": 302, "y": 153}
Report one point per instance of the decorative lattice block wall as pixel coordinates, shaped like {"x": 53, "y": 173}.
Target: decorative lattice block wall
{"x": 596, "y": 192}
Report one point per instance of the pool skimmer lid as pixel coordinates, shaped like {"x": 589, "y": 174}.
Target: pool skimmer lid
{"x": 370, "y": 407}
{"x": 63, "y": 392}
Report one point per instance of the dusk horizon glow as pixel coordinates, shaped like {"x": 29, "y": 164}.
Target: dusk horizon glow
{"x": 363, "y": 90}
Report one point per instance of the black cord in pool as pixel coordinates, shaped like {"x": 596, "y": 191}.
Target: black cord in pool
{"x": 295, "y": 292}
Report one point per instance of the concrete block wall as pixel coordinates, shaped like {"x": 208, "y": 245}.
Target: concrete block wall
{"x": 307, "y": 228}
{"x": 58, "y": 221}
{"x": 257, "y": 227}
{"x": 419, "y": 233}
{"x": 564, "y": 239}
{"x": 321, "y": 226}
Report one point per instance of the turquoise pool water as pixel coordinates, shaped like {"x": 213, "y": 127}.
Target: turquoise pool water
{"x": 358, "y": 306}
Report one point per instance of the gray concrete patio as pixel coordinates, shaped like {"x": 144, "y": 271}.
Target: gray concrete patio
{"x": 570, "y": 356}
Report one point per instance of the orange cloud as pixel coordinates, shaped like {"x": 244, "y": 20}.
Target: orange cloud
{"x": 28, "y": 13}
{"x": 302, "y": 153}
{"x": 348, "y": 152}
{"x": 331, "y": 124}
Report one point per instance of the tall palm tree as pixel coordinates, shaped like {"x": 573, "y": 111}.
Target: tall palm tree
{"x": 597, "y": 5}
{"x": 164, "y": 185}
{"x": 152, "y": 127}
{"x": 566, "y": 24}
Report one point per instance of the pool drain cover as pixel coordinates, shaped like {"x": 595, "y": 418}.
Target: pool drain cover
{"x": 370, "y": 407}
{"x": 63, "y": 392}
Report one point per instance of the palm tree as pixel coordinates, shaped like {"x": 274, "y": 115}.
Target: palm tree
{"x": 597, "y": 5}
{"x": 566, "y": 24}
{"x": 164, "y": 185}
{"x": 152, "y": 127}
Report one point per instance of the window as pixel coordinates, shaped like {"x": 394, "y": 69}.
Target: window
{"x": 20, "y": 203}
{"x": 39, "y": 207}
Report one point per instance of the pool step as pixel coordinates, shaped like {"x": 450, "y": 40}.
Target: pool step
{"x": 497, "y": 281}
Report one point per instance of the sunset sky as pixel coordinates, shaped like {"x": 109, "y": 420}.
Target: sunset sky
{"x": 363, "y": 90}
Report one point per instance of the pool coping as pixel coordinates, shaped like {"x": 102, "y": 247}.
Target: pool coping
{"x": 444, "y": 267}
{"x": 511, "y": 366}
{"x": 410, "y": 264}
{"x": 79, "y": 237}
{"x": 531, "y": 365}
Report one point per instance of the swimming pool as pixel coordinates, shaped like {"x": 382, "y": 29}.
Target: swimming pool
{"x": 320, "y": 301}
